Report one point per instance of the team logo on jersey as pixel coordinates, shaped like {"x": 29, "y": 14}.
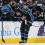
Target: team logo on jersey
{"x": 23, "y": 18}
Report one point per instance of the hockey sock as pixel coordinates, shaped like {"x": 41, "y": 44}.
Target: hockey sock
{"x": 22, "y": 35}
{"x": 26, "y": 32}
{"x": 22, "y": 30}
{"x": 26, "y": 35}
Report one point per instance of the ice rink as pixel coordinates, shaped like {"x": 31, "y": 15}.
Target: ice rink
{"x": 26, "y": 44}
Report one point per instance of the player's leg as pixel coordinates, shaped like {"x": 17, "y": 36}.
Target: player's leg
{"x": 22, "y": 31}
{"x": 27, "y": 27}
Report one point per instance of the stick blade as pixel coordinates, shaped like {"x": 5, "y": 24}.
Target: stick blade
{"x": 5, "y": 42}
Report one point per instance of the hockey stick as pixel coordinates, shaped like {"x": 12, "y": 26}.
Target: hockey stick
{"x": 26, "y": 23}
{"x": 44, "y": 22}
{"x": 44, "y": 17}
{"x": 2, "y": 32}
{"x": 35, "y": 26}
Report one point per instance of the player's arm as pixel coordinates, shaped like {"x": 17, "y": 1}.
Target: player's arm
{"x": 32, "y": 18}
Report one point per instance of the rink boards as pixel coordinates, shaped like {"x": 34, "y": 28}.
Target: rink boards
{"x": 11, "y": 32}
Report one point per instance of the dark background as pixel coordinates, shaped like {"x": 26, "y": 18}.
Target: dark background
{"x": 41, "y": 1}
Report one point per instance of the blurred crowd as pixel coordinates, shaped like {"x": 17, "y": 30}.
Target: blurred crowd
{"x": 9, "y": 9}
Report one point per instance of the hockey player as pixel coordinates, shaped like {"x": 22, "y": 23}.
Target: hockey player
{"x": 25, "y": 8}
{"x": 14, "y": 3}
{"x": 22, "y": 3}
{"x": 4, "y": 2}
{"x": 0, "y": 8}
{"x": 6, "y": 9}
{"x": 1, "y": 2}
{"x": 40, "y": 14}
{"x": 41, "y": 31}
{"x": 25, "y": 28}
{"x": 34, "y": 4}
{"x": 43, "y": 5}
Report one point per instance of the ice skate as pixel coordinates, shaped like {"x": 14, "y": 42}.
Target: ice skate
{"x": 21, "y": 41}
{"x": 24, "y": 41}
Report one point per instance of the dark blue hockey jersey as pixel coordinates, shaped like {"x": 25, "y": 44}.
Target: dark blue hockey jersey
{"x": 41, "y": 31}
{"x": 32, "y": 5}
{"x": 14, "y": 3}
{"x": 30, "y": 12}
{"x": 1, "y": 8}
{"x": 42, "y": 7}
{"x": 7, "y": 8}
{"x": 22, "y": 4}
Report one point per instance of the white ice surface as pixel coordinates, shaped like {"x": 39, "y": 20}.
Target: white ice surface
{"x": 26, "y": 44}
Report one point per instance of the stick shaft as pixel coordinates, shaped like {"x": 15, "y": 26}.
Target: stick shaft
{"x": 2, "y": 30}
{"x": 44, "y": 18}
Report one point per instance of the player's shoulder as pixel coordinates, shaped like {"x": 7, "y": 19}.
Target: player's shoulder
{"x": 17, "y": 4}
{"x": 6, "y": 6}
{"x": 1, "y": 7}
{"x": 42, "y": 7}
{"x": 31, "y": 4}
{"x": 29, "y": 10}
{"x": 23, "y": 3}
{"x": 22, "y": 8}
